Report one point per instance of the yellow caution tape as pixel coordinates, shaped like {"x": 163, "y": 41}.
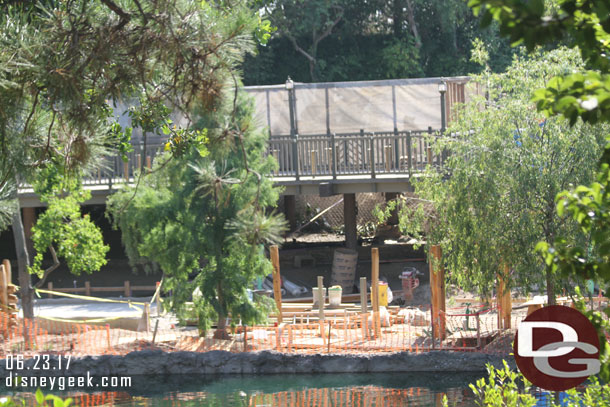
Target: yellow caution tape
{"x": 84, "y": 297}
{"x": 80, "y": 321}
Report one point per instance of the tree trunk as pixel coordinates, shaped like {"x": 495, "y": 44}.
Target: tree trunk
{"x": 23, "y": 262}
{"x": 413, "y": 24}
{"x": 221, "y": 326}
{"x": 397, "y": 18}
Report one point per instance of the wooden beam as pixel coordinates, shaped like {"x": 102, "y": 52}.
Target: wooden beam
{"x": 321, "y": 305}
{"x": 503, "y": 299}
{"x": 363, "y": 304}
{"x": 3, "y": 290}
{"x": 321, "y": 297}
{"x": 7, "y": 269}
{"x": 375, "y": 289}
{"x": 349, "y": 220}
{"x": 437, "y": 288}
{"x": 277, "y": 279}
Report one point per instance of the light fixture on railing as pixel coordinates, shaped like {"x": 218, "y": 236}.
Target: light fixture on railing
{"x": 442, "y": 86}
{"x": 289, "y": 84}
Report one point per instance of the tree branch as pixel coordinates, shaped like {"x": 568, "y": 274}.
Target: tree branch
{"x": 298, "y": 48}
{"x": 50, "y": 269}
{"x": 125, "y": 17}
{"x": 329, "y": 30}
{"x": 141, "y": 11}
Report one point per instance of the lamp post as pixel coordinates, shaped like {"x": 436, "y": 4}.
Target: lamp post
{"x": 442, "y": 88}
{"x": 293, "y": 130}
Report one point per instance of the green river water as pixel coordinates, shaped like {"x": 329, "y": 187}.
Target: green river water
{"x": 338, "y": 390}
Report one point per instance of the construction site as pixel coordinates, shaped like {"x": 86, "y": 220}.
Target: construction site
{"x": 355, "y": 316}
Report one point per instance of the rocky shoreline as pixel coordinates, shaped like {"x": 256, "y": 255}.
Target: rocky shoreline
{"x": 156, "y": 362}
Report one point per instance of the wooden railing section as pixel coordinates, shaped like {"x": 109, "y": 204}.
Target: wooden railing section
{"x": 363, "y": 154}
{"x": 8, "y": 293}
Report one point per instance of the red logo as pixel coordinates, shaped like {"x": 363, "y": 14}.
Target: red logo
{"x": 557, "y": 348}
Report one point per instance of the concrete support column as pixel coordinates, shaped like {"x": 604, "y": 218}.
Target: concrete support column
{"x": 349, "y": 219}
{"x": 393, "y": 219}
{"x": 29, "y": 219}
{"x": 290, "y": 211}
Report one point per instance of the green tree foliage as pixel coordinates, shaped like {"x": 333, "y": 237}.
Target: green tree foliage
{"x": 586, "y": 25}
{"x": 40, "y": 400}
{"x": 62, "y": 229}
{"x": 343, "y": 40}
{"x": 203, "y": 221}
{"x": 506, "y": 388}
{"x": 62, "y": 63}
{"x": 495, "y": 197}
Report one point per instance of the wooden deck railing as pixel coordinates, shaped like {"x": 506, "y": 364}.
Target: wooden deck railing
{"x": 367, "y": 154}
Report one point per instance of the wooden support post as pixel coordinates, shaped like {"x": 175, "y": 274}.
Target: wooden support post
{"x": 148, "y": 162}
{"x": 313, "y": 154}
{"x": 276, "y": 157}
{"x": 127, "y": 289}
{"x": 388, "y": 158}
{"x": 363, "y": 304}
{"x": 88, "y": 288}
{"x": 139, "y": 160}
{"x": 144, "y": 324}
{"x": 321, "y": 296}
{"x": 437, "y": 287}
{"x": 50, "y": 288}
{"x": 3, "y": 290}
{"x": 155, "y": 331}
{"x": 503, "y": 299}
{"x": 321, "y": 304}
{"x": 277, "y": 281}
{"x": 126, "y": 171}
{"x": 429, "y": 151}
{"x": 7, "y": 269}
{"x": 375, "y": 289}
{"x": 290, "y": 211}
{"x": 349, "y": 219}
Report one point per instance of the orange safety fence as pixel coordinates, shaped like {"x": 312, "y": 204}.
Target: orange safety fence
{"x": 394, "y": 330}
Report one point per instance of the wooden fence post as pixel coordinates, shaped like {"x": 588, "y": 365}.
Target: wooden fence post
{"x": 321, "y": 305}
{"x": 375, "y": 289}
{"x": 437, "y": 287}
{"x": 7, "y": 270}
{"x": 50, "y": 288}
{"x": 503, "y": 299}
{"x": 3, "y": 290}
{"x": 127, "y": 289}
{"x": 87, "y": 288}
{"x": 363, "y": 304}
{"x": 277, "y": 281}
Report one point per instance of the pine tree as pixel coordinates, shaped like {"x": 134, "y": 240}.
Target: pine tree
{"x": 202, "y": 219}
